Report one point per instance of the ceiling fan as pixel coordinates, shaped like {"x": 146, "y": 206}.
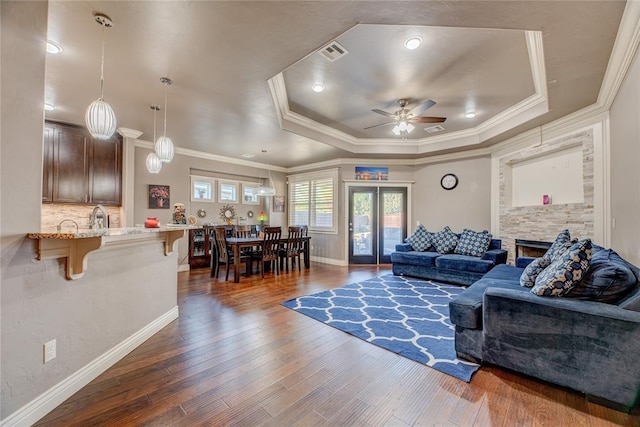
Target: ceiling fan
{"x": 403, "y": 118}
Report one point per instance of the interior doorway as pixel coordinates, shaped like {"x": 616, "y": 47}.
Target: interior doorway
{"x": 377, "y": 222}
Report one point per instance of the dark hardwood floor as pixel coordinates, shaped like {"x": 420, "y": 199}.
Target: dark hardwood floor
{"x": 235, "y": 356}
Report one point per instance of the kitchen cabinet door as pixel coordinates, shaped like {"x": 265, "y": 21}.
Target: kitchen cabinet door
{"x": 106, "y": 171}
{"x": 70, "y": 165}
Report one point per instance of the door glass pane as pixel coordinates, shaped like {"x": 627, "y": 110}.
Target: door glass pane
{"x": 362, "y": 214}
{"x": 392, "y": 220}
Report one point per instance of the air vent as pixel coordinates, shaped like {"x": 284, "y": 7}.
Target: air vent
{"x": 434, "y": 129}
{"x": 333, "y": 51}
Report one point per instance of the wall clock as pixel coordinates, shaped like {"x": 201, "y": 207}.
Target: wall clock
{"x": 449, "y": 181}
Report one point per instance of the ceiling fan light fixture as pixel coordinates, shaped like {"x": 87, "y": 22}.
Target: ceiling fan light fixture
{"x": 413, "y": 42}
{"x": 317, "y": 87}
{"x": 410, "y": 127}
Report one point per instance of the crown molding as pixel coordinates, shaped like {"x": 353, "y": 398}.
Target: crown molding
{"x": 130, "y": 133}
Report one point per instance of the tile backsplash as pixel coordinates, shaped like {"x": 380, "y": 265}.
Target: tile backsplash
{"x": 53, "y": 213}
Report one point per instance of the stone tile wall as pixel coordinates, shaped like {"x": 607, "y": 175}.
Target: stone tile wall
{"x": 53, "y": 213}
{"x": 544, "y": 222}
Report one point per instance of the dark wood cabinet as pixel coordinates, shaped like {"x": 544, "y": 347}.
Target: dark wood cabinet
{"x": 200, "y": 247}
{"x": 80, "y": 169}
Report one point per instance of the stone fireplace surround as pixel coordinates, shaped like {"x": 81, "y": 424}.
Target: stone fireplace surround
{"x": 544, "y": 222}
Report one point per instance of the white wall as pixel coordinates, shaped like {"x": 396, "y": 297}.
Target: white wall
{"x": 625, "y": 170}
{"x": 466, "y": 206}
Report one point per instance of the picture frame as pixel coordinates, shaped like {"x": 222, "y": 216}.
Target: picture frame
{"x": 278, "y": 204}
{"x": 369, "y": 173}
{"x": 159, "y": 196}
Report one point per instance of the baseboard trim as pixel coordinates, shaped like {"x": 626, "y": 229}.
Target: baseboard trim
{"x": 33, "y": 411}
{"x": 184, "y": 267}
{"x": 331, "y": 261}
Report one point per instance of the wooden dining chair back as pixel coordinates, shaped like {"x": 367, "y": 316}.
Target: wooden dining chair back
{"x": 270, "y": 249}
{"x": 242, "y": 231}
{"x": 293, "y": 248}
{"x": 221, "y": 253}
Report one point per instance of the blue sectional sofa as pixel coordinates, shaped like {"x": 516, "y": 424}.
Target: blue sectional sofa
{"x": 585, "y": 345}
{"x": 451, "y": 268}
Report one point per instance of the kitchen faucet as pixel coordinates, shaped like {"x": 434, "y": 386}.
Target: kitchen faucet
{"x": 96, "y": 220}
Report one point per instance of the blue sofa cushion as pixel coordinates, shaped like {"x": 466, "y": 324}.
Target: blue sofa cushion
{"x": 565, "y": 272}
{"x": 608, "y": 279}
{"x": 444, "y": 241}
{"x": 473, "y": 243}
{"x": 531, "y": 271}
{"x": 559, "y": 246}
{"x": 464, "y": 263}
{"x": 465, "y": 310}
{"x": 425, "y": 259}
{"x": 420, "y": 240}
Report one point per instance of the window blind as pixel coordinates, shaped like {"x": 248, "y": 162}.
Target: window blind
{"x": 312, "y": 201}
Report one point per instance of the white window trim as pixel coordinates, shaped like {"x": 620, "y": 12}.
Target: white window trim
{"x": 204, "y": 179}
{"x": 247, "y": 185}
{"x": 230, "y": 183}
{"x": 304, "y": 177}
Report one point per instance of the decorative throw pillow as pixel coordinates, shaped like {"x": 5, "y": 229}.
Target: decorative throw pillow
{"x": 608, "y": 280}
{"x": 532, "y": 271}
{"x": 559, "y": 246}
{"x": 444, "y": 241}
{"x": 565, "y": 272}
{"x": 420, "y": 240}
{"x": 473, "y": 243}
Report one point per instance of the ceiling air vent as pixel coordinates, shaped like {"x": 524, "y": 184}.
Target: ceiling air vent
{"x": 434, "y": 129}
{"x": 333, "y": 51}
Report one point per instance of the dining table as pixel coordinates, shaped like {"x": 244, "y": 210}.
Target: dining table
{"x": 237, "y": 243}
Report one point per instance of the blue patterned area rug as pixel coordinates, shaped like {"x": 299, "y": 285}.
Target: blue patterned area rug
{"x": 405, "y": 315}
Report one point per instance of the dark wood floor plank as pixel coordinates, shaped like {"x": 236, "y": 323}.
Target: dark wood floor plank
{"x": 236, "y": 356}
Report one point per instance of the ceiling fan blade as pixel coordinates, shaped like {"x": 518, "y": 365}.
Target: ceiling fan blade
{"x": 421, "y": 108}
{"x": 384, "y": 113}
{"x": 427, "y": 119}
{"x": 381, "y": 124}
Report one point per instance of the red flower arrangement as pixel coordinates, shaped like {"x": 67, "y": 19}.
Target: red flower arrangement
{"x": 158, "y": 193}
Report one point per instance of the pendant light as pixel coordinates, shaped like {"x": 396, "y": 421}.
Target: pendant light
{"x": 265, "y": 190}
{"x": 164, "y": 145}
{"x": 154, "y": 164}
{"x": 100, "y": 118}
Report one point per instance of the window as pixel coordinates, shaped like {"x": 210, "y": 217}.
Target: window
{"x": 202, "y": 189}
{"x": 227, "y": 192}
{"x": 312, "y": 200}
{"x": 248, "y": 198}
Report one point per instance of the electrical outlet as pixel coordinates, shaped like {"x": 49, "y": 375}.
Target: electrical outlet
{"x": 49, "y": 351}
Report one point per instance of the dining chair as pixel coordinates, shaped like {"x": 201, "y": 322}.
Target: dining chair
{"x": 293, "y": 248}
{"x": 269, "y": 250}
{"x": 242, "y": 231}
{"x": 223, "y": 254}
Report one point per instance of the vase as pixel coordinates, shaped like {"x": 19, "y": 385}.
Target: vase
{"x": 159, "y": 202}
{"x": 152, "y": 222}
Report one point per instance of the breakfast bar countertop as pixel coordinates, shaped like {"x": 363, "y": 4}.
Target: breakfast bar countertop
{"x": 86, "y": 233}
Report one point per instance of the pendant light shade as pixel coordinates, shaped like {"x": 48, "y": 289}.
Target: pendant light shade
{"x": 164, "y": 149}
{"x": 154, "y": 165}
{"x": 263, "y": 190}
{"x": 99, "y": 117}
{"x": 164, "y": 146}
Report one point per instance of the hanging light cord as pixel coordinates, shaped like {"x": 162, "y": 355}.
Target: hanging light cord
{"x": 269, "y": 169}
{"x": 165, "y": 112}
{"x": 154, "y": 108}
{"x": 102, "y": 66}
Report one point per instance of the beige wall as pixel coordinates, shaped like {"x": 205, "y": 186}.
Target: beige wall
{"x": 625, "y": 173}
{"x": 122, "y": 290}
{"x": 466, "y": 206}
{"x": 176, "y": 175}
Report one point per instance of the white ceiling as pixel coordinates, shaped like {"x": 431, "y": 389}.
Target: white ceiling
{"x": 243, "y": 71}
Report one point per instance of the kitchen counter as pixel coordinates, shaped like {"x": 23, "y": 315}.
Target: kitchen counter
{"x": 74, "y": 246}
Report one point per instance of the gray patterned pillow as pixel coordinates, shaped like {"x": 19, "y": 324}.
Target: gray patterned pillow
{"x": 444, "y": 241}
{"x": 559, "y": 246}
{"x": 565, "y": 272}
{"x": 420, "y": 240}
{"x": 531, "y": 271}
{"x": 473, "y": 243}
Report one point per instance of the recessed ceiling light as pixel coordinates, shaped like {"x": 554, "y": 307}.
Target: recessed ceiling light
{"x": 49, "y": 107}
{"x": 413, "y": 42}
{"x": 248, "y": 155}
{"x": 470, "y": 114}
{"x": 317, "y": 87}
{"x": 53, "y": 47}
